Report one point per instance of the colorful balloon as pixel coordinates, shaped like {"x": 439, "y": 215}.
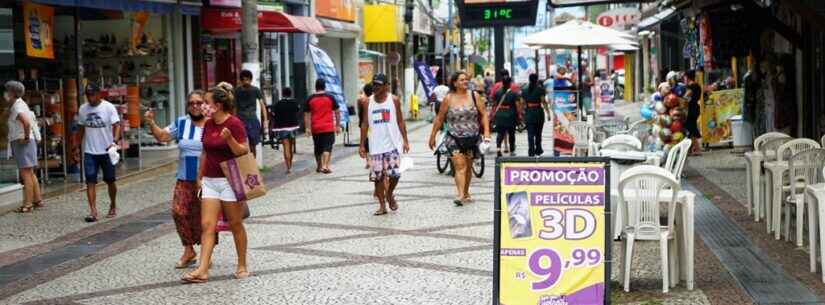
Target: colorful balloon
{"x": 671, "y": 100}
{"x": 678, "y": 136}
{"x": 657, "y": 97}
{"x": 660, "y": 107}
{"x": 676, "y": 126}
{"x": 665, "y": 121}
{"x": 679, "y": 89}
{"x": 646, "y": 113}
{"x": 712, "y": 124}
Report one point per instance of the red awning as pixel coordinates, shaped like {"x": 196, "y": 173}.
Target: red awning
{"x": 227, "y": 20}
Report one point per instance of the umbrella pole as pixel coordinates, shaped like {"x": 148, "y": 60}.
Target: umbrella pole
{"x": 579, "y": 83}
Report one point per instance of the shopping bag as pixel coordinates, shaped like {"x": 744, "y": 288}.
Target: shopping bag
{"x": 244, "y": 178}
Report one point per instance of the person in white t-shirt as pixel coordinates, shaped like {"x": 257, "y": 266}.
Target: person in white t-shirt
{"x": 440, "y": 93}
{"x": 23, "y": 144}
{"x": 100, "y": 130}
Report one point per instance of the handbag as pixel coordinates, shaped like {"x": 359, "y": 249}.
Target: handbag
{"x": 244, "y": 178}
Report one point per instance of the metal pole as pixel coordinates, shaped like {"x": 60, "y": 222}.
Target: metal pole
{"x": 579, "y": 82}
{"x": 499, "y": 50}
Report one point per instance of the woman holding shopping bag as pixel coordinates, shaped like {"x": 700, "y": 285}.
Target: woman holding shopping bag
{"x": 224, "y": 138}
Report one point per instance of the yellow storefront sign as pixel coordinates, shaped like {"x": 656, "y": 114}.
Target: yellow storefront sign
{"x": 382, "y": 23}
{"x": 38, "y": 29}
{"x": 551, "y": 232}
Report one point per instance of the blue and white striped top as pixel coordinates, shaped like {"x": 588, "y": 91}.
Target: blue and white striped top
{"x": 188, "y": 136}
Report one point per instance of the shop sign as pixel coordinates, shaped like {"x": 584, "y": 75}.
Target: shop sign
{"x": 383, "y": 23}
{"x": 620, "y": 18}
{"x": 426, "y": 76}
{"x": 227, "y": 3}
{"x": 366, "y": 69}
{"x": 422, "y": 24}
{"x": 343, "y": 10}
{"x": 551, "y": 231}
{"x": 270, "y": 5}
{"x": 38, "y": 26}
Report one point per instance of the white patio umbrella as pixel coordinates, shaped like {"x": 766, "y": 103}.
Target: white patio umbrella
{"x": 578, "y": 34}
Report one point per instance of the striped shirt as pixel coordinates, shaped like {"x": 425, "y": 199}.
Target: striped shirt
{"x": 188, "y": 136}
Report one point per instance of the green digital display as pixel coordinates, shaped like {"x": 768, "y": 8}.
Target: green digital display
{"x": 491, "y": 13}
{"x": 498, "y": 14}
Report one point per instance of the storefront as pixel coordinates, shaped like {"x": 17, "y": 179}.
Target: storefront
{"x": 340, "y": 42}
{"x": 135, "y": 50}
{"x": 220, "y": 45}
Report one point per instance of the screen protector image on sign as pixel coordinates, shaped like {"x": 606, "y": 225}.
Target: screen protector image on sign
{"x": 518, "y": 212}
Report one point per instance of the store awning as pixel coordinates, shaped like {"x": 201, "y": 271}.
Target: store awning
{"x": 229, "y": 20}
{"x": 151, "y": 6}
{"x": 339, "y": 26}
{"x": 653, "y": 20}
{"x": 363, "y": 53}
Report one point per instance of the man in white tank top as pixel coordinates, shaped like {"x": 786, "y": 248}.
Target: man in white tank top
{"x": 387, "y": 138}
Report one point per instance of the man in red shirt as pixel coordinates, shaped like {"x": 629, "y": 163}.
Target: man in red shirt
{"x": 322, "y": 118}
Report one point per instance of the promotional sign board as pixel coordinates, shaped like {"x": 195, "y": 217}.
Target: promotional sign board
{"x": 716, "y": 111}
{"x": 523, "y": 65}
{"x": 427, "y": 77}
{"x": 38, "y": 25}
{"x": 552, "y": 242}
{"x": 606, "y": 102}
{"x": 325, "y": 69}
{"x": 564, "y": 111}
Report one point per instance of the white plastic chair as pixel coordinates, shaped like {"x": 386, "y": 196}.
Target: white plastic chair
{"x": 644, "y": 185}
{"x": 622, "y": 142}
{"x": 768, "y": 153}
{"x": 580, "y": 132}
{"x": 815, "y": 201}
{"x": 804, "y": 169}
{"x": 822, "y": 141}
{"x": 676, "y": 158}
{"x": 753, "y": 169}
{"x": 784, "y": 153}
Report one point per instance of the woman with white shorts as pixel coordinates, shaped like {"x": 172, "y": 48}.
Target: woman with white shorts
{"x": 224, "y": 138}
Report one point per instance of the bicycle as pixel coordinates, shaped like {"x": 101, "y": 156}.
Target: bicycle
{"x": 443, "y": 161}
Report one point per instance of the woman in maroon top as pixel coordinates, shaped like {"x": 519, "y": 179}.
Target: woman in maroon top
{"x": 224, "y": 138}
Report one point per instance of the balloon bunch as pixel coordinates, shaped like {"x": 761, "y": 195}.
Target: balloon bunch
{"x": 666, "y": 110}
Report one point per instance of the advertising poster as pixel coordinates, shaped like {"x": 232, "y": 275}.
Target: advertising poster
{"x": 366, "y": 69}
{"x": 523, "y": 65}
{"x": 38, "y": 26}
{"x": 325, "y": 69}
{"x": 564, "y": 109}
{"x": 605, "y": 98}
{"x": 343, "y": 10}
{"x": 718, "y": 108}
{"x": 551, "y": 231}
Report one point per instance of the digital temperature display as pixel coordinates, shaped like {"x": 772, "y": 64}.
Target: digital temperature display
{"x": 481, "y": 13}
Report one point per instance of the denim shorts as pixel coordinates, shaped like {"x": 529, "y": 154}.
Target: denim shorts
{"x": 91, "y": 164}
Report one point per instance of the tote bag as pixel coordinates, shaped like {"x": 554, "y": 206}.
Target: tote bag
{"x": 244, "y": 178}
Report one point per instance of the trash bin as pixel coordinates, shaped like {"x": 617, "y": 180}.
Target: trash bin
{"x": 742, "y": 132}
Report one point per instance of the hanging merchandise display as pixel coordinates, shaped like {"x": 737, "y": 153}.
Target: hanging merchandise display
{"x": 706, "y": 43}
{"x": 667, "y": 111}
{"x": 691, "y": 33}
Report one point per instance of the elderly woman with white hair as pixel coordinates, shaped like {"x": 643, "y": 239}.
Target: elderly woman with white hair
{"x": 23, "y": 144}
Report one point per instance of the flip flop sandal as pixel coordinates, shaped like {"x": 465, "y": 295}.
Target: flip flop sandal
{"x": 326, "y": 171}
{"x": 458, "y": 203}
{"x": 394, "y": 204}
{"x": 379, "y": 213}
{"x": 182, "y": 265}
{"x": 190, "y": 279}
{"x": 24, "y": 209}
{"x": 111, "y": 214}
{"x": 39, "y": 204}
{"x": 241, "y": 275}
{"x": 90, "y": 218}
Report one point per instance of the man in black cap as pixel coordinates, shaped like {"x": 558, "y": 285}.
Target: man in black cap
{"x": 100, "y": 130}
{"x": 387, "y": 140}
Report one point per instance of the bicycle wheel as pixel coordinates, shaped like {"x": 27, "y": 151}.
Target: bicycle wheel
{"x": 441, "y": 162}
{"x": 478, "y": 166}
